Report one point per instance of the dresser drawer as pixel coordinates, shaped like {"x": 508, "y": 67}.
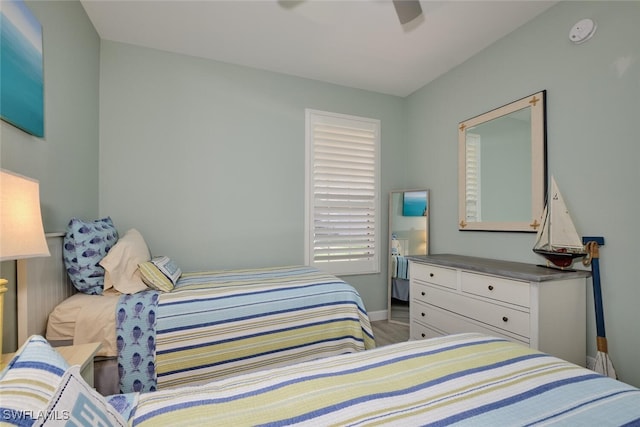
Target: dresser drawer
{"x": 509, "y": 291}
{"x": 428, "y": 320}
{"x": 419, "y": 291}
{"x": 446, "y": 277}
{"x": 506, "y": 318}
{"x": 421, "y": 331}
{"x": 522, "y": 302}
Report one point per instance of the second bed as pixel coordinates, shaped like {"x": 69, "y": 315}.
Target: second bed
{"x": 217, "y": 324}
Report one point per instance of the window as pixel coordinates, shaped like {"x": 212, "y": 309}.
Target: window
{"x": 342, "y": 193}
{"x": 472, "y": 156}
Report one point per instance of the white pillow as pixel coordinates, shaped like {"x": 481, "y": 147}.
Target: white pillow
{"x": 76, "y": 403}
{"x": 121, "y": 263}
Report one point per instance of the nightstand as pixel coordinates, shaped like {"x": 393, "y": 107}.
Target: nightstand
{"x": 81, "y": 354}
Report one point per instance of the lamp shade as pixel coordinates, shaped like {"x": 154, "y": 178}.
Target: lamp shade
{"x": 21, "y": 231}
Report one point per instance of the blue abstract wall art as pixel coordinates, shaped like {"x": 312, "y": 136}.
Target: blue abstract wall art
{"x": 414, "y": 203}
{"x": 21, "y": 68}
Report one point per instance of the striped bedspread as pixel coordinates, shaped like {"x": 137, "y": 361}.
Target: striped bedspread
{"x": 399, "y": 267}
{"x": 467, "y": 380}
{"x": 219, "y": 324}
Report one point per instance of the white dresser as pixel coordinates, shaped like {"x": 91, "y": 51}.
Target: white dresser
{"x": 540, "y": 307}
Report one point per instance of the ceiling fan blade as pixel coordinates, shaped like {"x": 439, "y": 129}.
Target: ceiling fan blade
{"x": 407, "y": 10}
{"x": 289, "y": 4}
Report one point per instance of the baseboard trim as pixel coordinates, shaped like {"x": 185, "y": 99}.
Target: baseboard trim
{"x": 375, "y": 316}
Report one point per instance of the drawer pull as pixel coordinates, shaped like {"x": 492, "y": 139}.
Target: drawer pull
{"x": 505, "y": 319}
{"x": 423, "y": 335}
{"x": 490, "y": 287}
{"x": 423, "y": 293}
{"x": 431, "y": 274}
{"x": 423, "y": 314}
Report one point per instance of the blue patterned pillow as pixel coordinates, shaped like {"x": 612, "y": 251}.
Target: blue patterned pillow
{"x": 85, "y": 244}
{"x": 124, "y": 403}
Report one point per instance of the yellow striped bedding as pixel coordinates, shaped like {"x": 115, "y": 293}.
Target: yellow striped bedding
{"x": 220, "y": 323}
{"x": 465, "y": 380}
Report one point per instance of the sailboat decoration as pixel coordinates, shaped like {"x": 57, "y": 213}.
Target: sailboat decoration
{"x": 557, "y": 239}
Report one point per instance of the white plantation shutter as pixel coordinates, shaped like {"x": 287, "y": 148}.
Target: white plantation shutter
{"x": 342, "y": 217}
{"x": 472, "y": 190}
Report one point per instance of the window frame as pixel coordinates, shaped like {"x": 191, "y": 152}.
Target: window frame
{"x": 369, "y": 265}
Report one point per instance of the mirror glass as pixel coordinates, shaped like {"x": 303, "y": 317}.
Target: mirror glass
{"x": 501, "y": 167}
{"x": 408, "y": 235}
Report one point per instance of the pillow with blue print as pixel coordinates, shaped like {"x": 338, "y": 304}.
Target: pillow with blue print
{"x": 168, "y": 267}
{"x": 85, "y": 244}
{"x": 75, "y": 403}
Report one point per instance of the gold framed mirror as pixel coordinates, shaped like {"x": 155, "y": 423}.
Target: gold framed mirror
{"x": 502, "y": 167}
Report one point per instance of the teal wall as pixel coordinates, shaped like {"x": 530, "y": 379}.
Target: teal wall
{"x": 206, "y": 159}
{"x": 593, "y": 107}
{"x": 505, "y": 169}
{"x": 65, "y": 161}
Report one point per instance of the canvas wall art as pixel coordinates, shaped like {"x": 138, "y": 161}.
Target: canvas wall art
{"x": 21, "y": 68}
{"x": 414, "y": 203}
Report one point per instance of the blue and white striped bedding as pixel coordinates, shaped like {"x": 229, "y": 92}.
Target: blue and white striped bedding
{"x": 399, "y": 267}
{"x": 221, "y": 323}
{"x": 464, "y": 380}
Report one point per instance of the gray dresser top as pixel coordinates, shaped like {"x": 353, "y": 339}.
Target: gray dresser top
{"x": 513, "y": 270}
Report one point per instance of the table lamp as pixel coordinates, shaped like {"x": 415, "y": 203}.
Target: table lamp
{"x": 21, "y": 231}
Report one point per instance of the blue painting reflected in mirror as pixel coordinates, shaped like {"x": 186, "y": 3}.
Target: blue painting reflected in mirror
{"x": 21, "y": 68}
{"x": 414, "y": 203}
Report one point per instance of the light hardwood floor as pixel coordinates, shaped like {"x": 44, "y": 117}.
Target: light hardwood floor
{"x": 387, "y": 333}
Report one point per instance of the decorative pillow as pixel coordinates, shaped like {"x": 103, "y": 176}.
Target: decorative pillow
{"x": 168, "y": 268}
{"x": 154, "y": 278}
{"x": 124, "y": 403}
{"x": 121, "y": 263}
{"x": 85, "y": 244}
{"x": 75, "y": 403}
{"x": 29, "y": 381}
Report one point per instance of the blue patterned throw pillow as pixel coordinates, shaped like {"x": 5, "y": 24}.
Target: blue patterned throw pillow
{"x": 85, "y": 244}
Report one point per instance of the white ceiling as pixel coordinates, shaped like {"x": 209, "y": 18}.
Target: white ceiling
{"x": 356, "y": 43}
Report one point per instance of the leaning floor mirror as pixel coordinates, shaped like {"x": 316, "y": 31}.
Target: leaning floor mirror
{"x": 408, "y": 235}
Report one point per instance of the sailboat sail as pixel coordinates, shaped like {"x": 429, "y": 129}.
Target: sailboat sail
{"x": 557, "y": 239}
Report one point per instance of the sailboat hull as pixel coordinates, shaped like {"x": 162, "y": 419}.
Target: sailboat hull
{"x": 560, "y": 259}
{"x": 557, "y": 239}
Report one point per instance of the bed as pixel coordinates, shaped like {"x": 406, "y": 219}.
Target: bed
{"x": 219, "y": 323}
{"x": 210, "y": 324}
{"x": 399, "y": 268}
{"x": 466, "y": 380}
{"x": 400, "y": 278}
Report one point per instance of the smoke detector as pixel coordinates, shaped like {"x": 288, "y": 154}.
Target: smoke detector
{"x": 582, "y": 31}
